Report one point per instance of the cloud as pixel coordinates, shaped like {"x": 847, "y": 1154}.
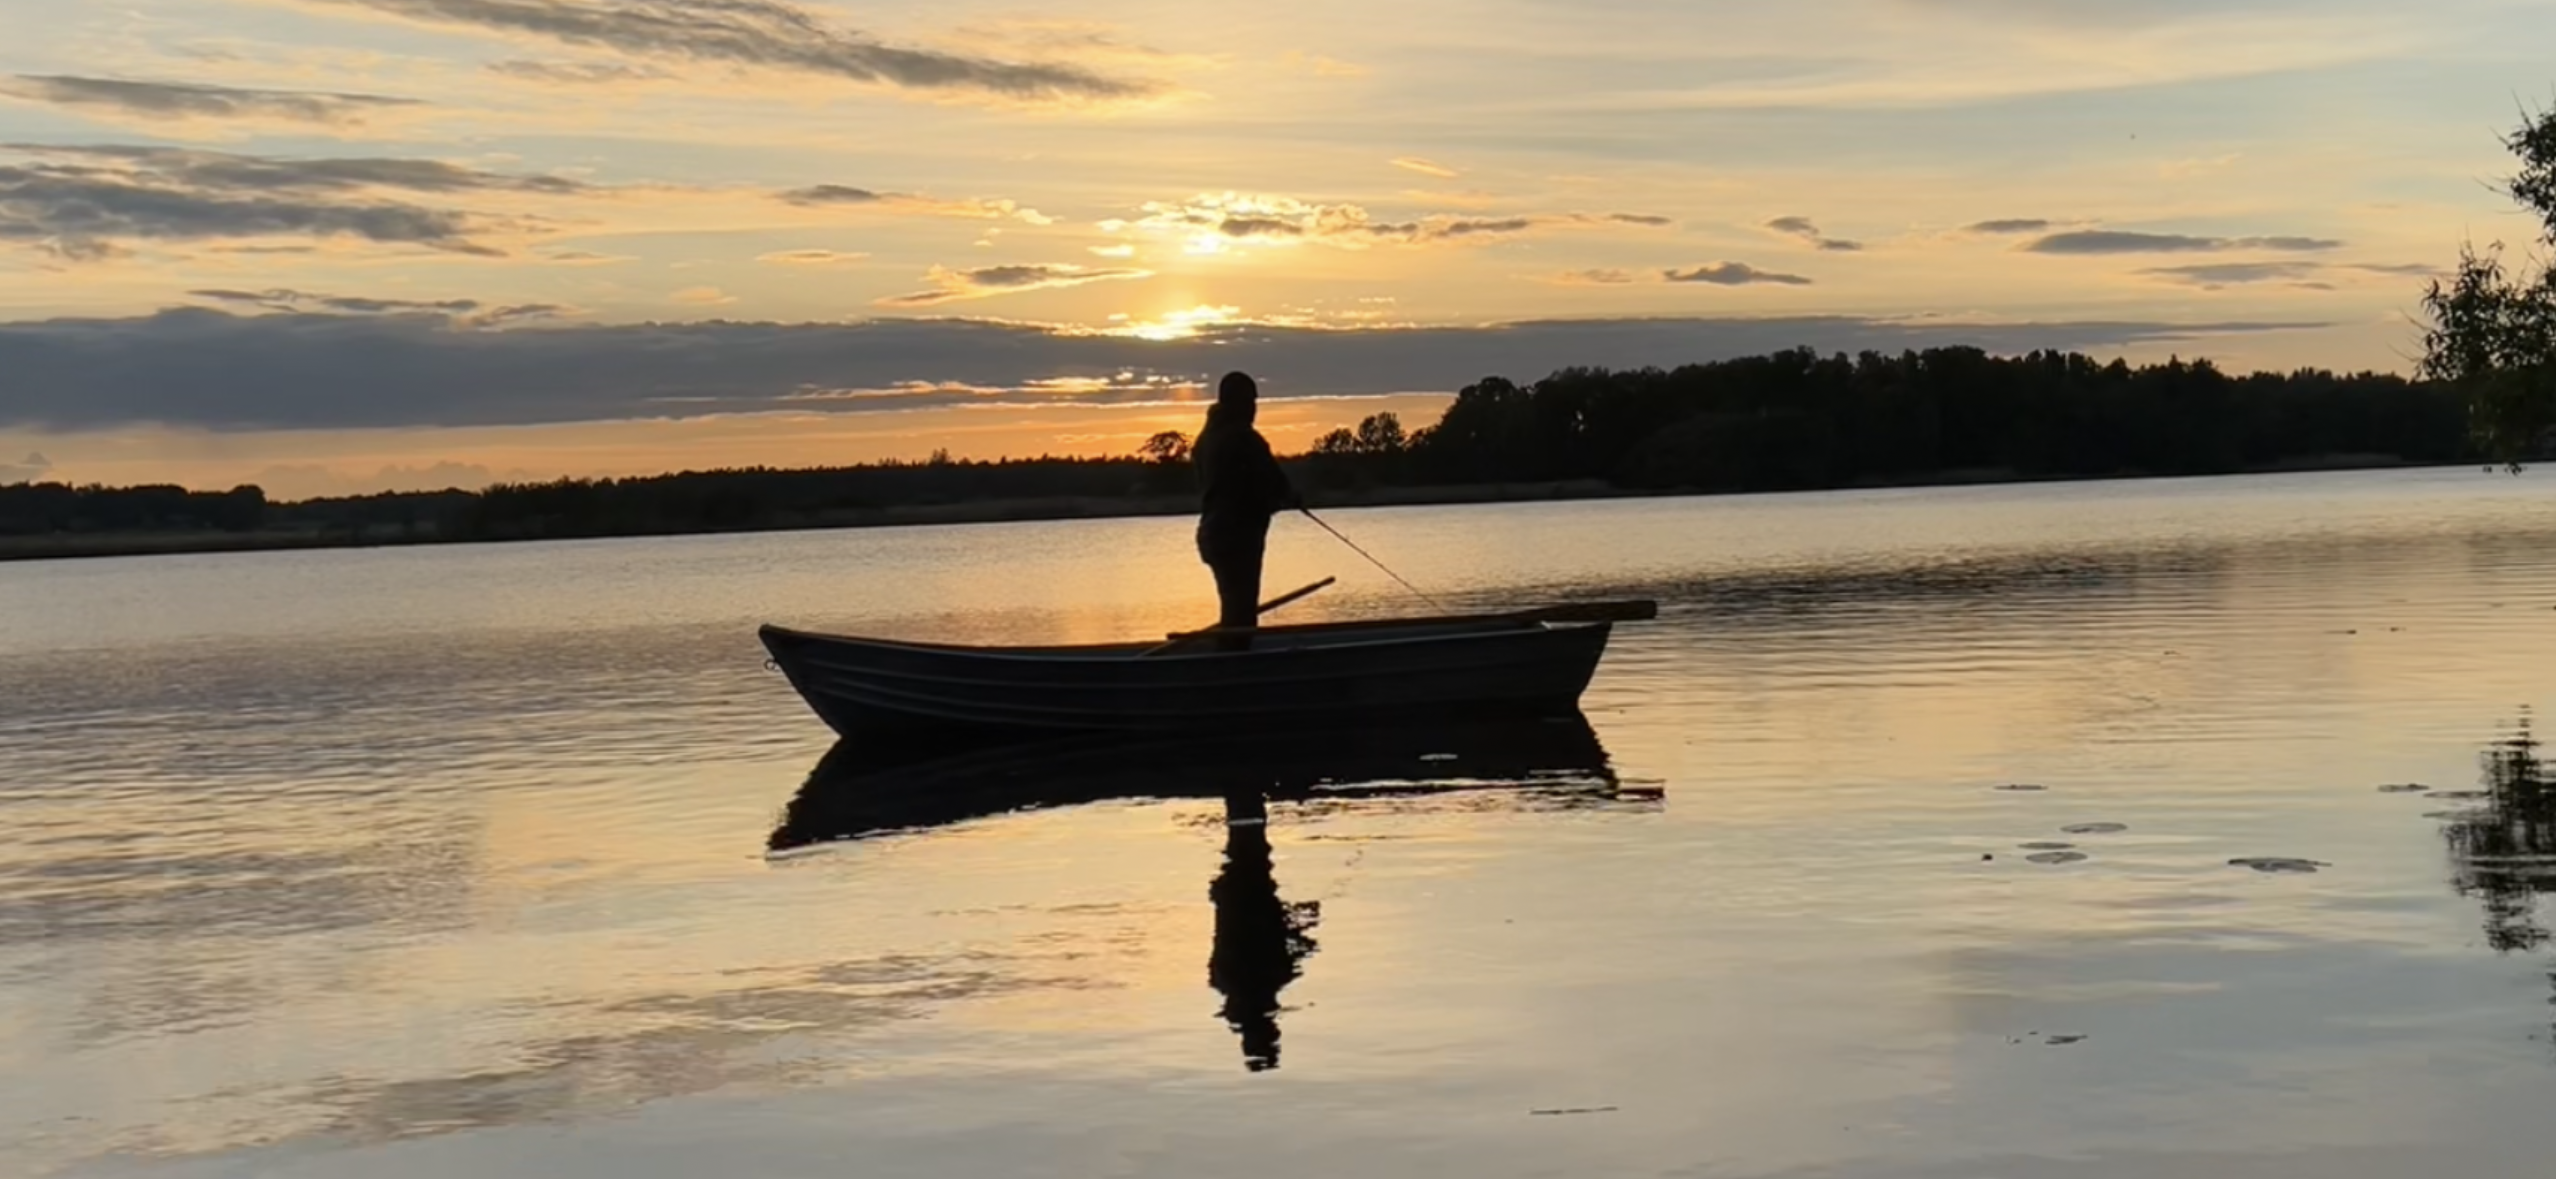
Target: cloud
{"x": 2311, "y": 275}
{"x": 2010, "y": 225}
{"x": 284, "y": 299}
{"x": 808, "y": 258}
{"x": 26, "y": 470}
{"x": 192, "y": 101}
{"x": 987, "y": 281}
{"x": 1424, "y": 167}
{"x": 2114, "y": 241}
{"x": 2217, "y": 274}
{"x": 831, "y": 194}
{"x": 470, "y": 312}
{"x": 576, "y": 73}
{"x": 208, "y": 369}
{"x": 1595, "y": 278}
{"x": 73, "y": 200}
{"x": 212, "y": 169}
{"x": 1121, "y": 250}
{"x": 1210, "y": 221}
{"x": 1733, "y": 274}
{"x": 818, "y": 196}
{"x": 767, "y": 34}
{"x": 701, "y": 297}
{"x": 79, "y": 249}
{"x": 1805, "y": 229}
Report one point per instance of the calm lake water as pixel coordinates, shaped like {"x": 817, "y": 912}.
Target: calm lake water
{"x": 454, "y": 860}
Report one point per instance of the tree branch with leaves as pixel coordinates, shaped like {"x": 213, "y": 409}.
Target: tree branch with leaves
{"x": 2492, "y": 330}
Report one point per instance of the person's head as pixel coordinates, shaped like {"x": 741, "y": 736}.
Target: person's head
{"x": 1238, "y": 396}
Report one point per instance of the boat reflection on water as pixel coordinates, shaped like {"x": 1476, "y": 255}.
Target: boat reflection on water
{"x": 2503, "y": 852}
{"x": 869, "y": 788}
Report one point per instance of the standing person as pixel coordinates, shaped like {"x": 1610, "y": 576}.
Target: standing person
{"x": 1240, "y": 486}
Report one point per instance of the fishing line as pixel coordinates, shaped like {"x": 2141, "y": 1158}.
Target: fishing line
{"x": 1371, "y": 559}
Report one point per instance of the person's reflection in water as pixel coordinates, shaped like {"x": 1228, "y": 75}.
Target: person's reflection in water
{"x": 1261, "y": 940}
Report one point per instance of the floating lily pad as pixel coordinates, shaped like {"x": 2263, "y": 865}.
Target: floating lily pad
{"x": 2022, "y": 788}
{"x": 2405, "y": 788}
{"x": 2045, "y": 845}
{"x": 2062, "y": 1041}
{"x": 2057, "y": 857}
{"x": 2461, "y": 795}
{"x": 2279, "y": 864}
{"x": 2094, "y": 829}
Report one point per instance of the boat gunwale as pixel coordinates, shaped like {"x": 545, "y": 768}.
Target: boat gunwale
{"x": 1384, "y": 632}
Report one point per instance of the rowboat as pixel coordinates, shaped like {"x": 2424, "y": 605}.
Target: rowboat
{"x": 874, "y": 786}
{"x": 1517, "y": 662}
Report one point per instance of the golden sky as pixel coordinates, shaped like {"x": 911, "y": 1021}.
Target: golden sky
{"x": 340, "y": 244}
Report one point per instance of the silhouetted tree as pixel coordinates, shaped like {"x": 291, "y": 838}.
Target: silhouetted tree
{"x": 2493, "y": 332}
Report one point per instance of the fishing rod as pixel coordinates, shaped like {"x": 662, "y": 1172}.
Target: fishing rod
{"x": 1371, "y": 559}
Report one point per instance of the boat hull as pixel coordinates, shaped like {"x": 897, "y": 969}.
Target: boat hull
{"x": 861, "y": 686}
{"x": 872, "y": 786}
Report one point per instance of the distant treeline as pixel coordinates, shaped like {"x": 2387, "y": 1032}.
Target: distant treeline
{"x": 1787, "y": 421}
{"x": 1797, "y": 420}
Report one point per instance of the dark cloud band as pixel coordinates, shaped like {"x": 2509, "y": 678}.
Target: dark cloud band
{"x": 210, "y": 369}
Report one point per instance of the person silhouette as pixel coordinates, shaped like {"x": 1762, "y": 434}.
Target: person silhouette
{"x": 1240, "y": 486}
{"x": 1261, "y": 940}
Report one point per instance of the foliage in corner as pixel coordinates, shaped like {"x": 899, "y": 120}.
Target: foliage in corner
{"x": 2492, "y": 333}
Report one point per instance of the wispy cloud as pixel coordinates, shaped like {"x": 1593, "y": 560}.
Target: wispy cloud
{"x": 1808, "y": 231}
{"x": 985, "y": 281}
{"x": 2114, "y": 241}
{"x": 808, "y": 258}
{"x": 2217, "y": 274}
{"x": 78, "y": 201}
{"x": 2010, "y": 225}
{"x": 471, "y": 312}
{"x": 576, "y": 73}
{"x": 1424, "y": 167}
{"x": 818, "y": 196}
{"x": 1602, "y": 277}
{"x": 766, "y": 34}
{"x": 184, "y": 100}
{"x": 1208, "y": 222}
{"x": 701, "y": 297}
{"x": 282, "y": 173}
{"x": 1733, "y": 274}
{"x": 2313, "y": 275}
{"x": 26, "y": 470}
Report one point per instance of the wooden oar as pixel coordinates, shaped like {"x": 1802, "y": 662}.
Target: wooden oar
{"x": 1263, "y": 608}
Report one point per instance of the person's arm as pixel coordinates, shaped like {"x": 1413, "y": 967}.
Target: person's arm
{"x": 1282, "y": 490}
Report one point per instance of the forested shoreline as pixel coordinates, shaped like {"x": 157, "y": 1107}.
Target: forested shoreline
{"x": 1787, "y": 421}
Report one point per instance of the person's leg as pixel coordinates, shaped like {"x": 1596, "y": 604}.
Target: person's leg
{"x": 1237, "y": 567}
